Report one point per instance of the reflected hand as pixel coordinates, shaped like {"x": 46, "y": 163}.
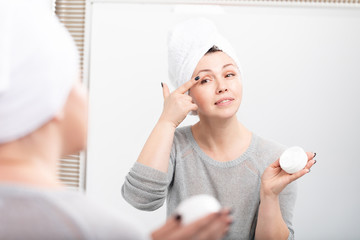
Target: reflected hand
{"x": 211, "y": 227}
{"x": 274, "y": 179}
{"x": 177, "y": 104}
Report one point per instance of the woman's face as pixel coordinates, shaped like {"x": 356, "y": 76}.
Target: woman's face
{"x": 219, "y": 91}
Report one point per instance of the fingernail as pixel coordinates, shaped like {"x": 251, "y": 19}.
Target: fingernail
{"x": 162, "y": 85}
{"x": 314, "y": 155}
{"x": 178, "y": 218}
{"x": 197, "y": 78}
{"x": 315, "y": 161}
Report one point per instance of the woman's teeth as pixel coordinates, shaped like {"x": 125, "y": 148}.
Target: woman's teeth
{"x": 223, "y": 101}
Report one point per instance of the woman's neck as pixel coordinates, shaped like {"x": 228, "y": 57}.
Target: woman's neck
{"x": 222, "y": 139}
{"x": 32, "y": 173}
{"x": 32, "y": 164}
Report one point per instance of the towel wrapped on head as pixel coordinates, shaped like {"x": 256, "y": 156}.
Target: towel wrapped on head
{"x": 187, "y": 44}
{"x": 38, "y": 67}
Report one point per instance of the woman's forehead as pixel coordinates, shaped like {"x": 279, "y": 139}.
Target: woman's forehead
{"x": 214, "y": 61}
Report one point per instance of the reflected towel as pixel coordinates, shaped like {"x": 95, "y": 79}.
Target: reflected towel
{"x": 187, "y": 44}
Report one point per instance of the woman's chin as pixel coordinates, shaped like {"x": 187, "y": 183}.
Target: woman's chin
{"x": 224, "y": 114}
{"x": 227, "y": 113}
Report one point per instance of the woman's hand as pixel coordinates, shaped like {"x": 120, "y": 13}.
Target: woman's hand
{"x": 274, "y": 179}
{"x": 211, "y": 227}
{"x": 270, "y": 224}
{"x": 177, "y": 104}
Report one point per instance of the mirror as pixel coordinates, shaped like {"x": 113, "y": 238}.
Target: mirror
{"x": 302, "y": 72}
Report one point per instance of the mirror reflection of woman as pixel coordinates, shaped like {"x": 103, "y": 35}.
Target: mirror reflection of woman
{"x": 218, "y": 155}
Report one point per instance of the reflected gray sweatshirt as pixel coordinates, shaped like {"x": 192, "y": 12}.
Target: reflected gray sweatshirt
{"x": 236, "y": 183}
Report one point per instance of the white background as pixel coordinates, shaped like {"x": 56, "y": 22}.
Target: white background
{"x": 301, "y": 87}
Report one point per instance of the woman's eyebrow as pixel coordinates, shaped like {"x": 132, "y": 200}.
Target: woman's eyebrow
{"x": 209, "y": 70}
{"x": 229, "y": 64}
{"x": 204, "y": 70}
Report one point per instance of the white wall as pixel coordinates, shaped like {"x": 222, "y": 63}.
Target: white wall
{"x": 301, "y": 87}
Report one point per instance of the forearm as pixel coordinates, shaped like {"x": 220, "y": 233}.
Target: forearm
{"x": 270, "y": 224}
{"x": 156, "y": 151}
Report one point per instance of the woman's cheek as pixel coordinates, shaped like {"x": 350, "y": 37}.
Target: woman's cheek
{"x": 237, "y": 86}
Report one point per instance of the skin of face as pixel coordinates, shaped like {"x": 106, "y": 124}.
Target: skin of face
{"x": 219, "y": 91}
{"x": 74, "y": 122}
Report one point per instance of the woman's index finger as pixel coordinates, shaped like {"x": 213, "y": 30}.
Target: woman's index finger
{"x": 186, "y": 86}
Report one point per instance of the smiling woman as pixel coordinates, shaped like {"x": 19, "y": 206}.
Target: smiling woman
{"x": 218, "y": 155}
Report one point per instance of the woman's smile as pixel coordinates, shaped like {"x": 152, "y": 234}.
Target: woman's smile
{"x": 224, "y": 101}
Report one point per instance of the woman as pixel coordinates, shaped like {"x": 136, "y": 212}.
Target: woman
{"x": 43, "y": 115}
{"x": 218, "y": 155}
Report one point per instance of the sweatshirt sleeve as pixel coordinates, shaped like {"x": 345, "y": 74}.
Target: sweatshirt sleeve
{"x": 145, "y": 188}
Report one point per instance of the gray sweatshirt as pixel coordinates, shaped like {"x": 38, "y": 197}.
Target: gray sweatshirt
{"x": 31, "y": 213}
{"x": 236, "y": 183}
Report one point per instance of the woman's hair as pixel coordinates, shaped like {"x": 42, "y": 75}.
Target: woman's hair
{"x": 213, "y": 49}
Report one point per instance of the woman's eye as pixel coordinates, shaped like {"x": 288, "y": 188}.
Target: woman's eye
{"x": 204, "y": 81}
{"x": 230, "y": 75}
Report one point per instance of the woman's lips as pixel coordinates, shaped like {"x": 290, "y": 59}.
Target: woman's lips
{"x": 224, "y": 101}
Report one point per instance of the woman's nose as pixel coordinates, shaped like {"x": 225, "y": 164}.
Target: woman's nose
{"x": 221, "y": 88}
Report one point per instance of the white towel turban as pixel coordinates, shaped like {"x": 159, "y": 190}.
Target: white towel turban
{"x": 187, "y": 44}
{"x": 38, "y": 66}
